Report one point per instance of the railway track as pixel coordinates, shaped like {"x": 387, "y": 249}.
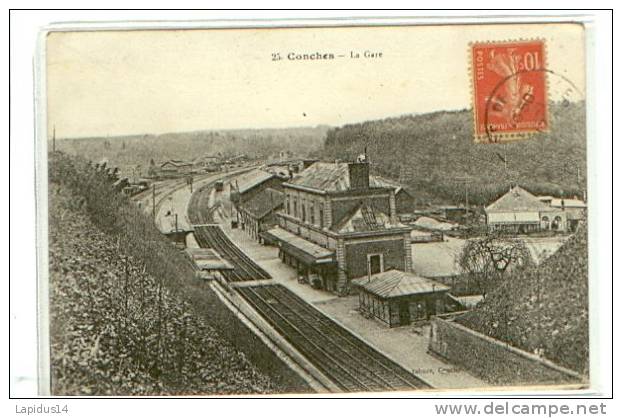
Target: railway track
{"x": 352, "y": 364}
{"x": 245, "y": 269}
{"x": 341, "y": 356}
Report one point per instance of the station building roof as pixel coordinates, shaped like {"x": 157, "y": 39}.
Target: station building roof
{"x": 334, "y": 177}
{"x": 396, "y": 283}
{"x": 247, "y": 181}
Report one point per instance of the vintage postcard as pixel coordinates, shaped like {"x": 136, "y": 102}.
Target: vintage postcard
{"x": 316, "y": 209}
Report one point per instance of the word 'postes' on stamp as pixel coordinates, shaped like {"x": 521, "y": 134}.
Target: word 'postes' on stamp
{"x": 509, "y": 90}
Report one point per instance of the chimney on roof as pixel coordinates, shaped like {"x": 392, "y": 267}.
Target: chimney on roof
{"x": 359, "y": 175}
{"x": 307, "y": 163}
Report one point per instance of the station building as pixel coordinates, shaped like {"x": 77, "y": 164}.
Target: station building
{"x": 259, "y": 213}
{"x": 256, "y": 197}
{"x": 250, "y": 184}
{"x": 336, "y": 226}
{"x": 519, "y": 211}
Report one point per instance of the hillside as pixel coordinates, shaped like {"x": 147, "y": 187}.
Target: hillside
{"x": 433, "y": 153}
{"x": 543, "y": 309}
{"x": 126, "y": 316}
{"x": 131, "y": 151}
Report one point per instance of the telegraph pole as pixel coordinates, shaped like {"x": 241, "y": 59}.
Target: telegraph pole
{"x": 153, "y": 209}
{"x": 465, "y": 182}
{"x": 505, "y": 158}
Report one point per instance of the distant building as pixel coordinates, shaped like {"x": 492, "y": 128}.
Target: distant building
{"x": 337, "y": 225}
{"x": 519, "y": 211}
{"x": 208, "y": 163}
{"x": 175, "y": 167}
{"x": 120, "y": 184}
{"x": 399, "y": 298}
{"x": 453, "y": 213}
{"x": 575, "y": 209}
{"x": 258, "y": 214}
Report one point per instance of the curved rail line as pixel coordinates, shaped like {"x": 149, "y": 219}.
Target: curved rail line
{"x": 244, "y": 268}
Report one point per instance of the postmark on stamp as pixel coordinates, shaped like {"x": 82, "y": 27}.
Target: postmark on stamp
{"x": 509, "y": 90}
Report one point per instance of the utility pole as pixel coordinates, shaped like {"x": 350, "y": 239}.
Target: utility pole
{"x": 465, "y": 182}
{"x": 153, "y": 209}
{"x": 505, "y": 158}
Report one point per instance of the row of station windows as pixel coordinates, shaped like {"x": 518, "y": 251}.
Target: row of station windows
{"x": 305, "y": 211}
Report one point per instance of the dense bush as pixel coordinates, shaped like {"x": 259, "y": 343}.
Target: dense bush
{"x": 127, "y": 317}
{"x": 543, "y": 309}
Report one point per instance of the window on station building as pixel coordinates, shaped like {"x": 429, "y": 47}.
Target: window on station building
{"x": 295, "y": 208}
{"x": 321, "y": 215}
{"x": 304, "y": 211}
{"x": 312, "y": 213}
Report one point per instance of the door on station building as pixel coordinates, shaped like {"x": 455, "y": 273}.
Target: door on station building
{"x": 375, "y": 263}
{"x": 404, "y": 313}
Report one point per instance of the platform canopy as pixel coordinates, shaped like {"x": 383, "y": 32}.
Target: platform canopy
{"x": 208, "y": 259}
{"x": 302, "y": 249}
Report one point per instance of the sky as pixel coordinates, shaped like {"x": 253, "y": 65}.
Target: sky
{"x": 109, "y": 83}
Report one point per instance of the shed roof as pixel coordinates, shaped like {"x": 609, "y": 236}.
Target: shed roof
{"x": 253, "y": 178}
{"x": 208, "y": 259}
{"x": 517, "y": 200}
{"x": 395, "y": 283}
{"x": 263, "y": 203}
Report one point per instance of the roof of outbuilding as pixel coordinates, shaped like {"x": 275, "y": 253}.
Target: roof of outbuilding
{"x": 395, "y": 283}
{"x": 517, "y": 199}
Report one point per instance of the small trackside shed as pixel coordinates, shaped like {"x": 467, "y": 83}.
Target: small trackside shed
{"x": 209, "y": 264}
{"x": 398, "y": 298}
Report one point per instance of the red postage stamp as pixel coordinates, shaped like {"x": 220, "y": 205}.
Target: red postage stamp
{"x": 509, "y": 90}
